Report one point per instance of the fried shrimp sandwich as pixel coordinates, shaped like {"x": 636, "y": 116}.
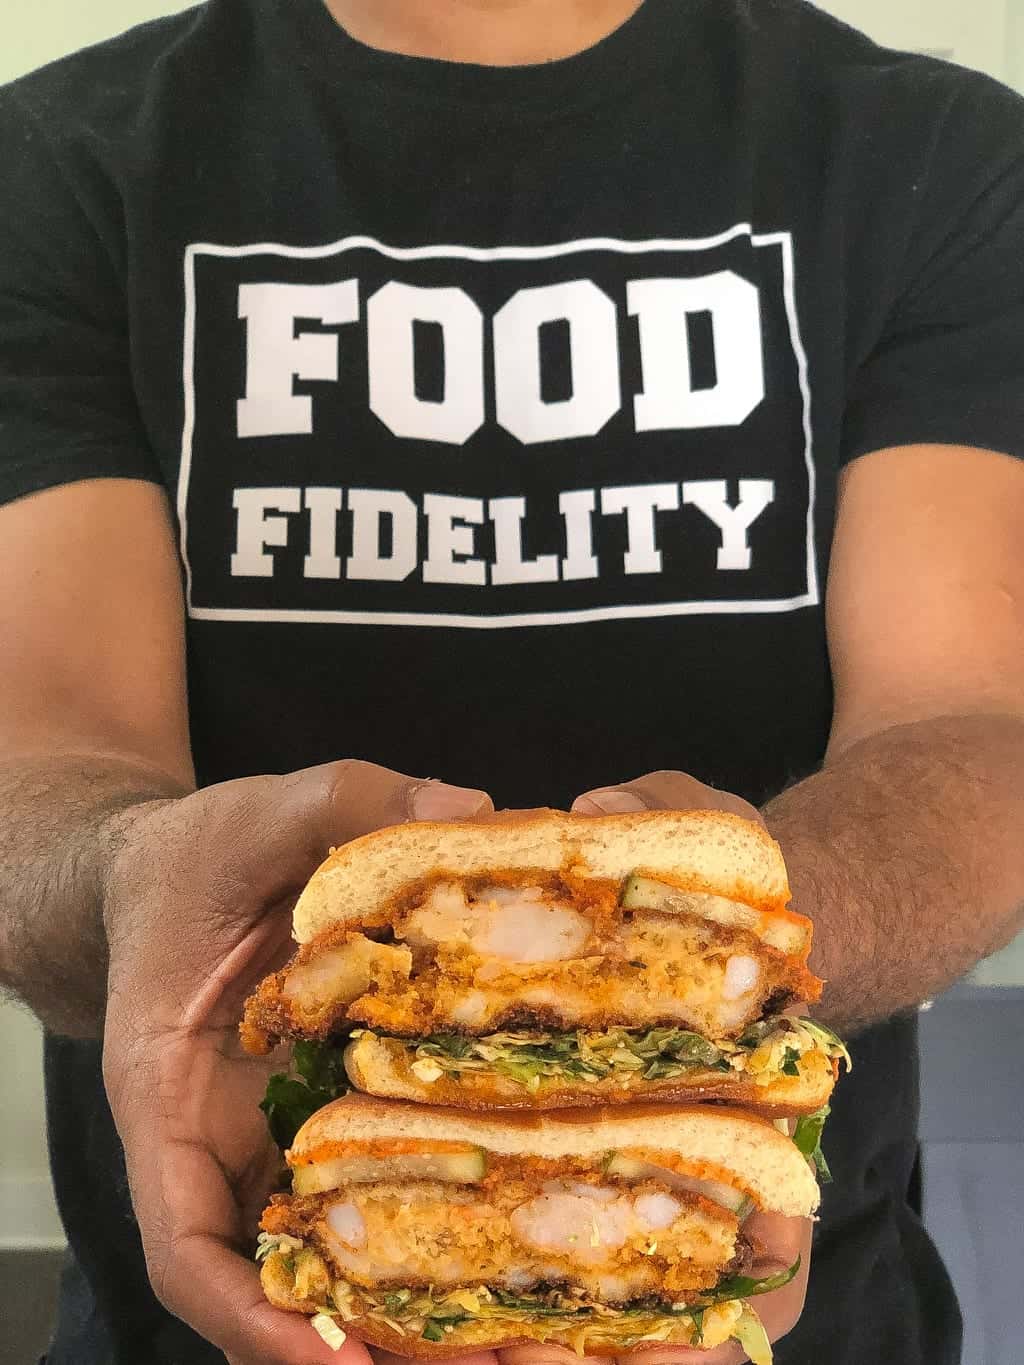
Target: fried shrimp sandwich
{"x": 548, "y": 960}
{"x": 429, "y": 1232}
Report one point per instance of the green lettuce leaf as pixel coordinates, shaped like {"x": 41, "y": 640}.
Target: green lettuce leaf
{"x": 750, "y": 1334}
{"x": 291, "y": 1100}
{"x": 827, "y": 1040}
{"x": 328, "y": 1331}
{"x": 321, "y": 1065}
{"x": 658, "y": 1052}
{"x": 742, "y": 1287}
{"x": 807, "y": 1137}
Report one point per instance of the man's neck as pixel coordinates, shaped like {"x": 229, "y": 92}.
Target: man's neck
{"x": 488, "y": 32}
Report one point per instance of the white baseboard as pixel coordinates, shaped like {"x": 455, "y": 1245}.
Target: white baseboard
{"x": 28, "y": 1215}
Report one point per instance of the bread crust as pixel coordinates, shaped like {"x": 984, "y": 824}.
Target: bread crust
{"x": 712, "y": 852}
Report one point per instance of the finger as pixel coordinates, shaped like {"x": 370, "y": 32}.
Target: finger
{"x": 189, "y": 1224}
{"x": 272, "y": 833}
{"x": 560, "y": 1355}
{"x": 783, "y": 1240}
{"x": 665, "y": 790}
{"x": 778, "y": 1241}
{"x": 537, "y": 1353}
{"x": 221, "y": 859}
{"x": 728, "y": 1354}
{"x": 236, "y": 1317}
{"x": 472, "y": 1358}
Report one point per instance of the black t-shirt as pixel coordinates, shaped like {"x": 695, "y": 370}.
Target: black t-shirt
{"x": 503, "y": 412}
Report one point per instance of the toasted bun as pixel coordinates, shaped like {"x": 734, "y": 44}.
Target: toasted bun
{"x": 766, "y": 1163}
{"x": 485, "y": 1335}
{"x": 488, "y": 1337}
{"x": 710, "y": 852}
{"x": 373, "y": 1067}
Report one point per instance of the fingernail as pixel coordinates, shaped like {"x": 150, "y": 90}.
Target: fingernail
{"x": 555, "y": 1356}
{"x": 438, "y": 801}
{"x": 608, "y": 803}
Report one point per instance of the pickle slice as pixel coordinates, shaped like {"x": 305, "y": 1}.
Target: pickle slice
{"x": 450, "y": 1168}
{"x": 626, "y": 1167}
{"x": 779, "y": 931}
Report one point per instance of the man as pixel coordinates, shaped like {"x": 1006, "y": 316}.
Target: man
{"x": 531, "y": 395}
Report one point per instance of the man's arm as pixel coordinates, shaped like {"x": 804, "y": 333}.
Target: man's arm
{"x": 907, "y": 852}
{"x": 131, "y": 904}
{"x": 907, "y": 849}
{"x": 93, "y": 722}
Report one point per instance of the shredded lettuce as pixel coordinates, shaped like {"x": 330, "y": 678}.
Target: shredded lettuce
{"x": 414, "y": 1309}
{"x": 526, "y": 1058}
{"x": 328, "y": 1329}
{"x": 827, "y": 1040}
{"x": 750, "y": 1334}
{"x": 654, "y": 1054}
{"x": 267, "y": 1242}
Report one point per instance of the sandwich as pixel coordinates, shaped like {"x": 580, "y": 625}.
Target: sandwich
{"x": 430, "y": 1231}
{"x": 545, "y": 960}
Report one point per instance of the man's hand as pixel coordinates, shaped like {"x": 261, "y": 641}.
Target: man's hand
{"x": 662, "y": 791}
{"x": 782, "y": 1240}
{"x": 197, "y": 910}
{"x": 777, "y": 1240}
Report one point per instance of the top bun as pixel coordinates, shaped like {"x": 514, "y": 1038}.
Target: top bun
{"x": 708, "y": 851}
{"x": 753, "y": 1152}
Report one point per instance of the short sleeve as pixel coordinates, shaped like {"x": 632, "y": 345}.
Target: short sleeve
{"x": 67, "y": 405}
{"x": 948, "y": 366}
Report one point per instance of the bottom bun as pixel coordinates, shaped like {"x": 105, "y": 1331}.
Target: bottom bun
{"x": 383, "y": 1067}
{"x": 606, "y": 1333}
{"x": 468, "y": 1338}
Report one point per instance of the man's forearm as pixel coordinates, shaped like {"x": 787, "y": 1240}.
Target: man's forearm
{"x": 907, "y": 851}
{"x": 59, "y": 828}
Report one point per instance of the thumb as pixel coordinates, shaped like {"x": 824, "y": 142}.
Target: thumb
{"x": 193, "y": 876}
{"x": 664, "y": 790}
{"x": 273, "y": 832}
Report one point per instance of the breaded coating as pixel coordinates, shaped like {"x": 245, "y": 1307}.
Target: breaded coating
{"x": 550, "y": 954}
{"x": 615, "y": 1243}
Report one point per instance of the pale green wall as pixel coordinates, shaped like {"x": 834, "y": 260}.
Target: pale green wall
{"x": 36, "y": 31}
{"x": 974, "y": 34}
{"x": 1015, "y": 44}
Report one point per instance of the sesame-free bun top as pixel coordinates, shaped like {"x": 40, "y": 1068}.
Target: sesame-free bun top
{"x": 705, "y": 851}
{"x": 765, "y": 1162}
